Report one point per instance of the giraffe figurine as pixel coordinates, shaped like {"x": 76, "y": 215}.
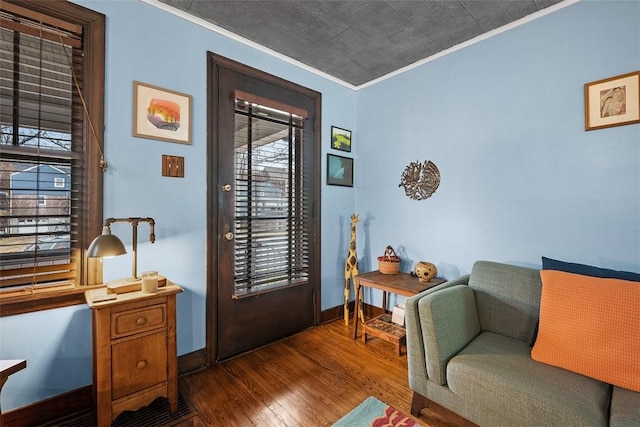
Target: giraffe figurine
{"x": 350, "y": 267}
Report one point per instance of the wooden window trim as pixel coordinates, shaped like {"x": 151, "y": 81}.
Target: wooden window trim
{"x": 44, "y": 301}
{"x": 93, "y": 24}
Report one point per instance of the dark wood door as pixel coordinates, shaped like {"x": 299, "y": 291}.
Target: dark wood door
{"x": 263, "y": 191}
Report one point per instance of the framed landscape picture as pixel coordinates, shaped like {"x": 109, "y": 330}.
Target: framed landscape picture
{"x": 340, "y": 139}
{"x": 612, "y": 102}
{"x": 161, "y": 114}
{"x": 339, "y": 170}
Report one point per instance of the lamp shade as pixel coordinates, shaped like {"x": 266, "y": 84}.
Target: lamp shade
{"x": 106, "y": 245}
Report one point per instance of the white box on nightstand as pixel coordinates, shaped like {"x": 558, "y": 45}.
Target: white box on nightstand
{"x": 397, "y": 315}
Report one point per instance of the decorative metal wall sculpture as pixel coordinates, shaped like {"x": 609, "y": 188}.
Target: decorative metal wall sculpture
{"x": 420, "y": 181}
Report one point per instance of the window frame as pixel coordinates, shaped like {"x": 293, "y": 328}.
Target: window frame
{"x": 90, "y": 275}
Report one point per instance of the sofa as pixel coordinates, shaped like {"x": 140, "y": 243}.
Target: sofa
{"x": 469, "y": 349}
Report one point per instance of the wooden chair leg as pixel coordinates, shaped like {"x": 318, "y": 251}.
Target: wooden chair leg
{"x": 418, "y": 403}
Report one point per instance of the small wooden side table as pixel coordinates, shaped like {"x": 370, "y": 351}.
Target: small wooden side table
{"x": 8, "y": 367}
{"x": 401, "y": 284}
{"x": 134, "y": 350}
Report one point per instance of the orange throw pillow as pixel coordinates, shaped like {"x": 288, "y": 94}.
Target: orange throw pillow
{"x": 591, "y": 326}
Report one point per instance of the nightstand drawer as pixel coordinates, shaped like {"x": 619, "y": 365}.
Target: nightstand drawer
{"x": 138, "y": 364}
{"x": 139, "y": 320}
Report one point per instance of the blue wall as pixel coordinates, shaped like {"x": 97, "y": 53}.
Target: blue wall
{"x": 502, "y": 119}
{"x": 150, "y": 45}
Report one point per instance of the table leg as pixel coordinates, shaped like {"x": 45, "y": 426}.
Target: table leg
{"x": 384, "y": 302}
{"x": 356, "y": 309}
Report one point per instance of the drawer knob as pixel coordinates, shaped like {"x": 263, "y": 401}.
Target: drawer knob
{"x": 141, "y": 320}
{"x": 141, "y": 364}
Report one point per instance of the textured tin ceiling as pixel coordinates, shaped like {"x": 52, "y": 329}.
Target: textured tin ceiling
{"x": 357, "y": 41}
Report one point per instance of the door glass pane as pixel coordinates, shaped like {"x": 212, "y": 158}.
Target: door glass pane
{"x": 270, "y": 248}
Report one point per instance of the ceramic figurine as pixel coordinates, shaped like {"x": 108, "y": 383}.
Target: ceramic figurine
{"x": 425, "y": 271}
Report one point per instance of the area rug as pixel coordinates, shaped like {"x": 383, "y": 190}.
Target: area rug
{"x": 374, "y": 413}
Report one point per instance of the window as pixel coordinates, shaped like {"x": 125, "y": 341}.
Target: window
{"x": 271, "y": 245}
{"x": 52, "y": 66}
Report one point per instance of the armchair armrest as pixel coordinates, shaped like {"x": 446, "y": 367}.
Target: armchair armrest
{"x": 439, "y": 325}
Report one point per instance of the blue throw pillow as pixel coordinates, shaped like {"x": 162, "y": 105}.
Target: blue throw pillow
{"x": 588, "y": 270}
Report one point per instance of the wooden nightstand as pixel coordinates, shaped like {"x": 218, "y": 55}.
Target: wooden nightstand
{"x": 134, "y": 350}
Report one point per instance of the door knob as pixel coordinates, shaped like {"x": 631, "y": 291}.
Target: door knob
{"x": 228, "y": 235}
{"x": 226, "y": 187}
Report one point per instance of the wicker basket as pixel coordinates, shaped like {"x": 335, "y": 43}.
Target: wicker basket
{"x": 389, "y": 263}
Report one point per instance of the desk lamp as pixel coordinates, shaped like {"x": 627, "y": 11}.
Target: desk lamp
{"x": 108, "y": 245}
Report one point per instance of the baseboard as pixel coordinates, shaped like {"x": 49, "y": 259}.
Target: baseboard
{"x": 191, "y": 362}
{"x": 78, "y": 400}
{"x": 44, "y": 411}
{"x": 336, "y": 312}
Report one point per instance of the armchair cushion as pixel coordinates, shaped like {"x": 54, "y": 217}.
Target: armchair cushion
{"x": 625, "y": 408}
{"x": 497, "y": 373}
{"x": 450, "y": 321}
{"x": 507, "y": 297}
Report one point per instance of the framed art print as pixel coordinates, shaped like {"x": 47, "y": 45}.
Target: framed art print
{"x": 339, "y": 170}
{"x": 340, "y": 139}
{"x": 161, "y": 114}
{"x": 612, "y": 102}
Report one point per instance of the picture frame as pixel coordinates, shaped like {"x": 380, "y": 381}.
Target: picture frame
{"x": 340, "y": 139}
{"x": 339, "y": 170}
{"x": 614, "y": 101}
{"x": 161, "y": 114}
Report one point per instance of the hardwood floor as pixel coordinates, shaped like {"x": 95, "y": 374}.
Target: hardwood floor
{"x": 311, "y": 379}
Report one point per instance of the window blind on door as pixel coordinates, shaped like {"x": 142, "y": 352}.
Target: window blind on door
{"x": 271, "y": 203}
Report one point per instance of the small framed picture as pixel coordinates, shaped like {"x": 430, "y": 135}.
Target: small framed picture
{"x": 161, "y": 114}
{"x": 340, "y": 139}
{"x": 612, "y": 102}
{"x": 339, "y": 170}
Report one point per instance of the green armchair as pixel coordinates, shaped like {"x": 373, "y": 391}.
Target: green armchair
{"x": 468, "y": 343}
